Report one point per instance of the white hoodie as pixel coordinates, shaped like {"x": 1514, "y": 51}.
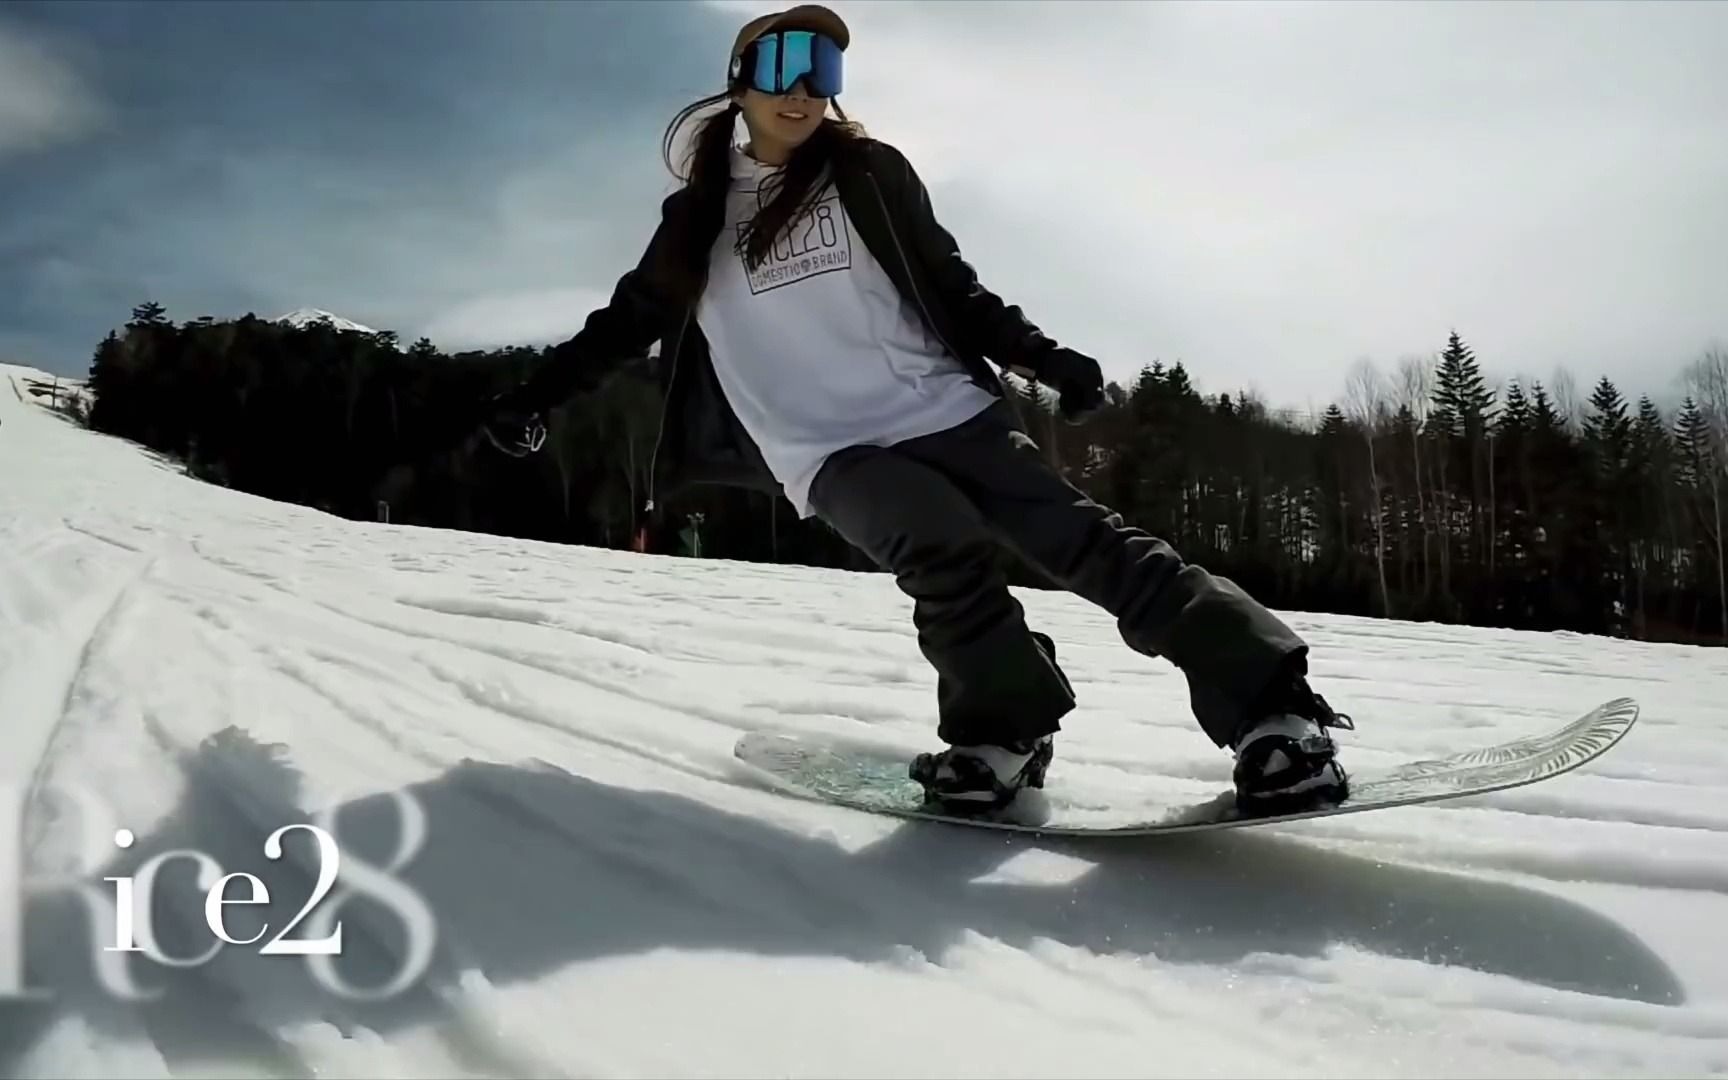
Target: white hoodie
{"x": 815, "y": 349}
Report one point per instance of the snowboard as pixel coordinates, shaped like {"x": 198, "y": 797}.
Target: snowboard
{"x": 872, "y": 777}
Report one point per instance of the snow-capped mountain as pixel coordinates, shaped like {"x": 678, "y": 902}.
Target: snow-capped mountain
{"x": 308, "y": 316}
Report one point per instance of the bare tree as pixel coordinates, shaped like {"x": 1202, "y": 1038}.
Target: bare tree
{"x": 1366, "y": 396}
{"x": 1707, "y": 381}
{"x": 1441, "y": 502}
{"x": 1413, "y": 394}
{"x": 1564, "y": 391}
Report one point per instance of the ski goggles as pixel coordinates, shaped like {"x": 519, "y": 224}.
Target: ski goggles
{"x": 776, "y": 60}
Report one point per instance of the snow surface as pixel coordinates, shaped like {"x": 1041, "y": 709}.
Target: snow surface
{"x": 611, "y": 897}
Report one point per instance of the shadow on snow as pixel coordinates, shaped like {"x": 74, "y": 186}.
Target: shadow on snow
{"x": 531, "y": 869}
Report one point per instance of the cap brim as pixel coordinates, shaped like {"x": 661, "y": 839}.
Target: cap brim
{"x": 817, "y": 18}
{"x": 803, "y": 17}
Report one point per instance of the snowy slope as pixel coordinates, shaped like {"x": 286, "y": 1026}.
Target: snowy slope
{"x": 609, "y": 897}
{"x": 22, "y": 383}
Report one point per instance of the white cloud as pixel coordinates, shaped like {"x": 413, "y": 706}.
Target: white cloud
{"x": 42, "y": 99}
{"x": 536, "y": 317}
{"x": 1268, "y": 191}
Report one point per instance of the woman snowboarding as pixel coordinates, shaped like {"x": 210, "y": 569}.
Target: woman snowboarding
{"x": 822, "y": 338}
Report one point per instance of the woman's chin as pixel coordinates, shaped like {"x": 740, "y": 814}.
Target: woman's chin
{"x": 793, "y": 132}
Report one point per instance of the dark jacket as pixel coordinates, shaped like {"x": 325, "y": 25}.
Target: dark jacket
{"x": 700, "y": 438}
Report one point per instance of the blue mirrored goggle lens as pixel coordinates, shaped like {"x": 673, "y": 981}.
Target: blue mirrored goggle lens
{"x": 827, "y": 65}
{"x": 766, "y": 76}
{"x": 785, "y": 57}
{"x": 794, "y": 57}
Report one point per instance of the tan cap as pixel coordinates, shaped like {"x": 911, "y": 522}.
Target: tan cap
{"x": 803, "y": 17}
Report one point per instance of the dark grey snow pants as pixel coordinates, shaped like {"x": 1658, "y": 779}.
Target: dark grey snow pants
{"x": 931, "y": 510}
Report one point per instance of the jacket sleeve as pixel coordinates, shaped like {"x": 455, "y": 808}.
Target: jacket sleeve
{"x": 639, "y": 312}
{"x": 991, "y": 327}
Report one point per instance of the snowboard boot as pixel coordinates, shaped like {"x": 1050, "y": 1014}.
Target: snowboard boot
{"x": 1286, "y": 761}
{"x": 973, "y": 779}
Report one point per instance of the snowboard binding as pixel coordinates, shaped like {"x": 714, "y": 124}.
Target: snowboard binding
{"x": 981, "y": 779}
{"x": 1289, "y": 764}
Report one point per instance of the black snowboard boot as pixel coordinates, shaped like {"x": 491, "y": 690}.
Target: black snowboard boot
{"x": 969, "y": 779}
{"x": 1286, "y": 761}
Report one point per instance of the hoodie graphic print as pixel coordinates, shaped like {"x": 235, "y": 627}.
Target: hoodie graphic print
{"x": 820, "y": 243}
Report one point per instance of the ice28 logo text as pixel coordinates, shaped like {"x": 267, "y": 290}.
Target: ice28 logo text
{"x": 121, "y": 908}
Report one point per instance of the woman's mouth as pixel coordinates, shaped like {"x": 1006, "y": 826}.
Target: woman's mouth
{"x": 793, "y": 115}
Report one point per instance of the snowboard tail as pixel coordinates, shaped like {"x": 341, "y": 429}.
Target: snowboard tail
{"x": 873, "y": 777}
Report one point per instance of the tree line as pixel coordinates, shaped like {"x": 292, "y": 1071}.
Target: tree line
{"x": 1430, "y": 492}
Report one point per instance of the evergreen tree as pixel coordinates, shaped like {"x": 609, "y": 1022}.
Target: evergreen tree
{"x": 1608, "y": 431}
{"x": 1700, "y": 471}
{"x": 1545, "y": 419}
{"x": 1692, "y": 445}
{"x": 1393, "y": 500}
{"x": 149, "y": 313}
{"x": 1514, "y": 420}
{"x": 1463, "y": 403}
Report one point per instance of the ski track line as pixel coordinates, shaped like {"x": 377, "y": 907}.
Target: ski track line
{"x": 457, "y": 680}
{"x": 301, "y": 666}
{"x": 100, "y": 538}
{"x": 1525, "y": 857}
{"x": 290, "y": 668}
{"x": 80, "y": 635}
{"x": 1184, "y": 996}
{"x": 1555, "y": 807}
{"x": 1640, "y": 774}
{"x": 534, "y": 662}
{"x": 1406, "y": 980}
{"x": 527, "y": 714}
{"x": 302, "y": 671}
{"x": 298, "y": 670}
{"x": 1640, "y": 872}
{"x": 730, "y": 639}
{"x": 478, "y": 609}
{"x": 1032, "y": 976}
{"x": 1490, "y": 1024}
{"x": 394, "y": 632}
{"x": 397, "y": 739}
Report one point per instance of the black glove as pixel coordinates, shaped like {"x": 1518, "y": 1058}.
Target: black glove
{"x": 513, "y": 428}
{"x": 1077, "y": 380}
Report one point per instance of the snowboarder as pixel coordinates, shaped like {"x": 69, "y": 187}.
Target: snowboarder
{"x": 823, "y": 338}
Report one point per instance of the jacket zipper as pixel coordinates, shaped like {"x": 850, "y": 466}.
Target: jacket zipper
{"x": 911, "y": 278}
{"x": 665, "y": 407}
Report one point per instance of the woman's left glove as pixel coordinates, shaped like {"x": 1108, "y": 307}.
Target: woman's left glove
{"x": 513, "y": 428}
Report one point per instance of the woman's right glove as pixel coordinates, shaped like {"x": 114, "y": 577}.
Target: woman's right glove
{"x": 1076, "y": 378}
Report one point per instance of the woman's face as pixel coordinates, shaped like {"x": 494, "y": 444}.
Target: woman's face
{"x": 779, "y": 123}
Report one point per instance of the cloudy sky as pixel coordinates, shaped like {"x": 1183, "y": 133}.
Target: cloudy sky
{"x": 1266, "y": 192}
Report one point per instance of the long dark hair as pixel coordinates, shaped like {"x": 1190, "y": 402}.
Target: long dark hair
{"x": 707, "y": 174}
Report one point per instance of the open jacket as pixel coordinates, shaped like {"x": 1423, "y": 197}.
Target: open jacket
{"x": 700, "y": 439}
